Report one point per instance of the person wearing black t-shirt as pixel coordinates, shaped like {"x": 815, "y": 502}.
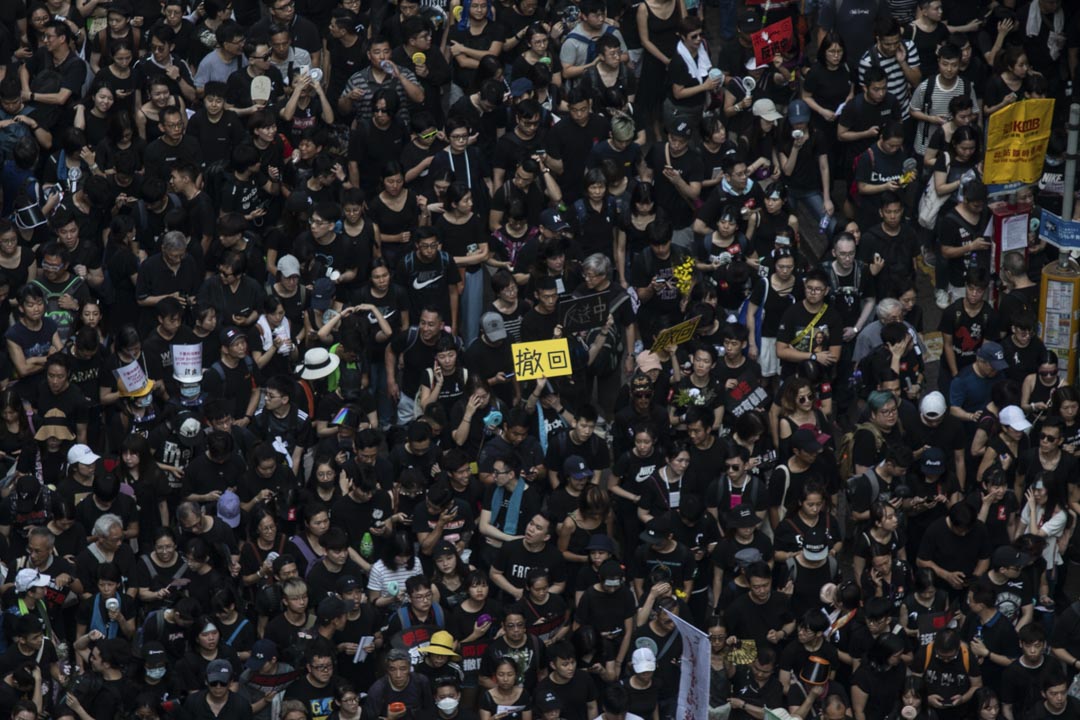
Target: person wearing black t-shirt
{"x": 811, "y": 329}
{"x": 864, "y": 118}
{"x": 677, "y": 172}
{"x": 574, "y": 687}
{"x": 967, "y": 323}
{"x": 962, "y": 234}
{"x": 533, "y": 551}
{"x": 878, "y": 170}
{"x": 894, "y": 241}
{"x": 761, "y": 615}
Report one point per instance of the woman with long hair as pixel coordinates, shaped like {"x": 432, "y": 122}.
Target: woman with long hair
{"x": 323, "y": 484}
{"x": 1038, "y": 388}
{"x": 205, "y": 644}
{"x": 813, "y": 519}
{"x": 591, "y": 517}
{"x": 635, "y": 218}
{"x": 1011, "y": 68}
{"x": 469, "y": 429}
{"x": 148, "y": 115}
{"x": 386, "y": 581}
{"x": 537, "y": 50}
{"x": 305, "y": 545}
{"x": 92, "y": 114}
{"x": 153, "y": 489}
{"x": 515, "y": 241}
{"x": 14, "y": 429}
{"x": 1045, "y": 514}
{"x": 463, "y": 236}
{"x": 884, "y": 533}
{"x": 797, "y": 408}
{"x": 772, "y": 295}
{"x": 448, "y": 576}
{"x": 658, "y": 23}
{"x": 960, "y": 159}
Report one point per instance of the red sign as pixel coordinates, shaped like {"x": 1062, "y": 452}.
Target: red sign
{"x": 775, "y": 39}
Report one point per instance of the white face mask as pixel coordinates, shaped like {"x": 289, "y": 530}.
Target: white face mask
{"x": 155, "y": 673}
{"x": 447, "y": 705}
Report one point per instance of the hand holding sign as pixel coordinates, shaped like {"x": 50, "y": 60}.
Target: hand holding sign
{"x": 776, "y": 39}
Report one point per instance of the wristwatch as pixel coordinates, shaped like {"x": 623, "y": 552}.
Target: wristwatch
{"x": 813, "y": 356}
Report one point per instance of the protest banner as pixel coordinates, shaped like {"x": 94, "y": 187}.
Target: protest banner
{"x": 773, "y": 40}
{"x": 583, "y": 313}
{"x": 676, "y": 334}
{"x": 694, "y": 671}
{"x": 1016, "y": 138}
{"x": 544, "y": 358}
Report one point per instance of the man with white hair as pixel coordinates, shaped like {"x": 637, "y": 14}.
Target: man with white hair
{"x": 107, "y": 546}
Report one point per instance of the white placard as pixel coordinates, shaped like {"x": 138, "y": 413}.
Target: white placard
{"x": 187, "y": 362}
{"x": 130, "y": 378}
{"x": 1014, "y": 233}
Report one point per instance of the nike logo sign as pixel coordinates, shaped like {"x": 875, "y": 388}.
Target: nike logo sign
{"x": 417, "y": 285}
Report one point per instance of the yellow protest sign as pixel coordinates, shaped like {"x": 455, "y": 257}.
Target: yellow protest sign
{"x": 1016, "y": 139}
{"x": 676, "y": 334}
{"x": 544, "y": 358}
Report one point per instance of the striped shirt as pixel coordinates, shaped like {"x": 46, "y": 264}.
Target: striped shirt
{"x": 897, "y": 84}
{"x": 939, "y": 105}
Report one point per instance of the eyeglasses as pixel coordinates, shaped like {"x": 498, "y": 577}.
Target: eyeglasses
{"x": 1048, "y": 438}
{"x": 218, "y": 683}
{"x": 323, "y": 667}
{"x": 734, "y": 468}
{"x": 429, "y": 135}
{"x": 380, "y": 111}
{"x": 260, "y": 57}
{"x": 1048, "y": 373}
{"x": 428, "y": 245}
{"x": 814, "y": 289}
{"x": 805, "y": 399}
{"x": 891, "y": 410}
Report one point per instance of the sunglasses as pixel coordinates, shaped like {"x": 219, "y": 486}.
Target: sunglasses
{"x": 1048, "y": 373}
{"x": 429, "y": 135}
{"x": 1049, "y": 438}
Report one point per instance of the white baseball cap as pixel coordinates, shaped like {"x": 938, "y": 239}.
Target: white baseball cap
{"x": 1012, "y": 416}
{"x": 82, "y": 454}
{"x": 643, "y": 660}
{"x": 30, "y": 578}
{"x": 933, "y": 405}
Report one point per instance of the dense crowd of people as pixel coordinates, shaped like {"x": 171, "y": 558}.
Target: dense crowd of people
{"x": 267, "y": 443}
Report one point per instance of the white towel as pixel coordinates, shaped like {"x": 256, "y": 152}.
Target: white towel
{"x": 700, "y": 68}
{"x": 1034, "y": 27}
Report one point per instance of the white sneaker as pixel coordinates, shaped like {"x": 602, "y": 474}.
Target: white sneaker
{"x": 942, "y": 299}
